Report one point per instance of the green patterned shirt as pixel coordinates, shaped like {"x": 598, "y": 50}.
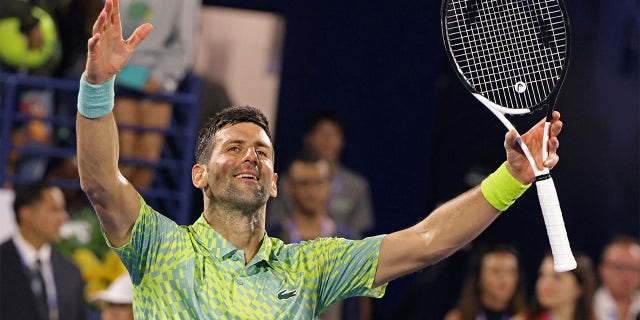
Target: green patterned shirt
{"x": 191, "y": 272}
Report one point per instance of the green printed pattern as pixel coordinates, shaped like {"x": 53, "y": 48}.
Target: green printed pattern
{"x": 191, "y": 272}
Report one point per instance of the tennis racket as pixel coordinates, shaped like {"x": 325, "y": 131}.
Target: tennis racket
{"x": 513, "y": 57}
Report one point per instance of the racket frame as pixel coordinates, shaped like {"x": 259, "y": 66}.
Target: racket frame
{"x": 563, "y": 258}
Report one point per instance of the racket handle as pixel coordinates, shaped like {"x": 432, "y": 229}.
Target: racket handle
{"x": 563, "y": 259}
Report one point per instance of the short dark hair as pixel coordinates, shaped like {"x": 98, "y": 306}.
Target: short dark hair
{"x": 226, "y": 117}
{"x": 26, "y": 195}
{"x": 305, "y": 156}
{"x": 618, "y": 239}
{"x": 321, "y": 115}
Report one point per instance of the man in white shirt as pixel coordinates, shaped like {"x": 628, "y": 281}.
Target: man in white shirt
{"x": 37, "y": 282}
{"x": 618, "y": 298}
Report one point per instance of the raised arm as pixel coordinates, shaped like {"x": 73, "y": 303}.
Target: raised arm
{"x": 114, "y": 199}
{"x": 462, "y": 219}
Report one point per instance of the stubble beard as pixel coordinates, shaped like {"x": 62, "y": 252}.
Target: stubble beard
{"x": 244, "y": 202}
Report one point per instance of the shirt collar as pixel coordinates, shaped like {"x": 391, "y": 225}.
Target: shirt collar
{"x": 220, "y": 248}
{"x": 28, "y": 253}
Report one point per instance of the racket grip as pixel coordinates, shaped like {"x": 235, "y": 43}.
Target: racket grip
{"x": 563, "y": 259}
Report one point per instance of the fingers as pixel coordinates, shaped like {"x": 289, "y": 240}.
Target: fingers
{"x": 93, "y": 41}
{"x": 556, "y": 124}
{"x": 139, "y": 35}
{"x": 510, "y": 139}
{"x": 100, "y": 22}
{"x": 553, "y": 157}
{"x": 115, "y": 16}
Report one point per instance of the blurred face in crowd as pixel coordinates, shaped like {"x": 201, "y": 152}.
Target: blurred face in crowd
{"x": 41, "y": 221}
{"x": 326, "y": 140}
{"x": 499, "y": 276}
{"x": 554, "y": 289}
{"x": 116, "y": 311}
{"x": 620, "y": 269}
{"x": 309, "y": 185}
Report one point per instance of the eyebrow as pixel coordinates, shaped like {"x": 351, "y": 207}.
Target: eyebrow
{"x": 241, "y": 141}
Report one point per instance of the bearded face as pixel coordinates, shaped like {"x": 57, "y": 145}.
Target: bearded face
{"x": 240, "y": 173}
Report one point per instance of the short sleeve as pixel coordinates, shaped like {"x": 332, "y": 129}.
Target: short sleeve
{"x": 154, "y": 238}
{"x": 348, "y": 269}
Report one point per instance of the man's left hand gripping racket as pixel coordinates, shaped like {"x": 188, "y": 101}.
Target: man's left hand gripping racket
{"x": 513, "y": 56}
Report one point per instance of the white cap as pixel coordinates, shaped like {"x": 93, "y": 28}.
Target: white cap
{"x": 119, "y": 291}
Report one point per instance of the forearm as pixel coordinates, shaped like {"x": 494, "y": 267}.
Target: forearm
{"x": 114, "y": 199}
{"x": 445, "y": 230}
{"x": 97, "y": 143}
{"x": 454, "y": 224}
{"x": 449, "y": 227}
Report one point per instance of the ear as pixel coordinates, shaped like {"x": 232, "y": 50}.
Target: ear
{"x": 25, "y": 215}
{"x": 199, "y": 176}
{"x": 274, "y": 186}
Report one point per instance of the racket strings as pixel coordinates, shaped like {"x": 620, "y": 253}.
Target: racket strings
{"x": 512, "y": 52}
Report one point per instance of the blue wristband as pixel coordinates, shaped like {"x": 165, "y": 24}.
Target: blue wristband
{"x": 95, "y": 101}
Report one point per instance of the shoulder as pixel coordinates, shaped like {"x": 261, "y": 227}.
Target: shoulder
{"x": 453, "y": 314}
{"x": 8, "y": 249}
{"x": 343, "y": 231}
{"x": 64, "y": 266}
{"x": 352, "y": 176}
{"x": 519, "y": 316}
{"x": 8, "y": 253}
{"x": 6, "y": 245}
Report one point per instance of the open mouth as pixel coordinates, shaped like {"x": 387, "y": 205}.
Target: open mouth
{"x": 247, "y": 176}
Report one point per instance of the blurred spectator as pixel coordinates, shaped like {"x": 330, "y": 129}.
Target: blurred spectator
{"x": 349, "y": 196}
{"x": 116, "y": 302}
{"x": 308, "y": 185}
{"x": 618, "y": 297}
{"x": 29, "y": 36}
{"x": 77, "y": 28}
{"x": 158, "y": 66}
{"x": 31, "y": 42}
{"x": 565, "y": 295}
{"x": 37, "y": 282}
{"x": 494, "y": 288}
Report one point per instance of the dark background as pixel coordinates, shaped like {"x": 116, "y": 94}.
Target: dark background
{"x": 416, "y": 133}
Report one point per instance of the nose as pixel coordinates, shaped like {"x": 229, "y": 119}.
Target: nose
{"x": 64, "y": 215}
{"x": 251, "y": 155}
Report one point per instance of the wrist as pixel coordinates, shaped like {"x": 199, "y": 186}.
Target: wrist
{"x": 501, "y": 188}
{"x": 95, "y": 100}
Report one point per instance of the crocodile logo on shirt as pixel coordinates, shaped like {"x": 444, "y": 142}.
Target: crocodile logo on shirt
{"x": 286, "y": 294}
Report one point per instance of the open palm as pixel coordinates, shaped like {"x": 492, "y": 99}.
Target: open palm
{"x": 108, "y": 52}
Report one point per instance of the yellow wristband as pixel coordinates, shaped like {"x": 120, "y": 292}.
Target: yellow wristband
{"x": 501, "y": 189}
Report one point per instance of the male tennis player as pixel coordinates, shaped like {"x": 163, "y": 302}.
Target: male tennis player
{"x": 224, "y": 265}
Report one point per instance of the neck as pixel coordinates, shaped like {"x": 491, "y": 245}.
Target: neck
{"x": 621, "y": 299}
{"x": 32, "y": 238}
{"x": 243, "y": 230}
{"x": 564, "y": 312}
{"x": 623, "y": 303}
{"x": 309, "y": 225}
{"x": 492, "y": 303}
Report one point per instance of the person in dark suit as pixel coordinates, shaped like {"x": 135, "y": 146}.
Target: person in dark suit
{"x": 37, "y": 282}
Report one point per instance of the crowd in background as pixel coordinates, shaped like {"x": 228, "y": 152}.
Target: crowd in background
{"x": 320, "y": 196}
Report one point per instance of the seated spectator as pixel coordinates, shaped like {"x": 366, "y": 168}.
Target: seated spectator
{"x": 349, "y": 196}
{"x": 308, "y": 184}
{"x": 158, "y": 66}
{"x": 564, "y": 295}
{"x": 494, "y": 288}
{"x": 116, "y": 302}
{"x": 36, "y": 281}
{"x": 618, "y": 297}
